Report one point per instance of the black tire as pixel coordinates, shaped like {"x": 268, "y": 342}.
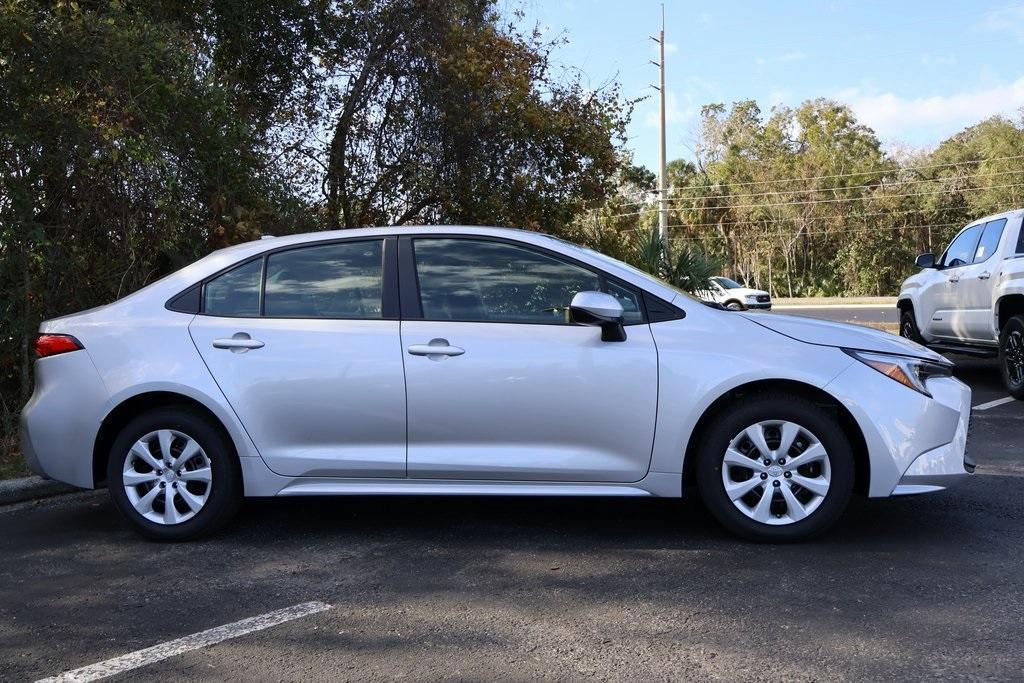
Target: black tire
{"x": 768, "y": 407}
{"x": 1011, "y": 356}
{"x": 225, "y": 494}
{"x": 734, "y": 305}
{"x": 908, "y": 327}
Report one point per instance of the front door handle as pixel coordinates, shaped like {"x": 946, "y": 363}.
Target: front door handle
{"x": 984, "y": 276}
{"x": 240, "y": 342}
{"x": 954, "y": 279}
{"x": 436, "y": 349}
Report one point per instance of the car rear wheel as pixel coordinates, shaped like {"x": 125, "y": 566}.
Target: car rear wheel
{"x": 173, "y": 475}
{"x": 1011, "y": 356}
{"x": 776, "y": 468}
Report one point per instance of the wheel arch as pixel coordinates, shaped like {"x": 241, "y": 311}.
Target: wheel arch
{"x": 136, "y": 405}
{"x": 1008, "y": 306}
{"x": 862, "y": 463}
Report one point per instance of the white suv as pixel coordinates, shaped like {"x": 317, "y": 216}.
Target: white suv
{"x": 971, "y": 299}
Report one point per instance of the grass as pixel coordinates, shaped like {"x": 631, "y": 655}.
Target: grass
{"x": 12, "y": 465}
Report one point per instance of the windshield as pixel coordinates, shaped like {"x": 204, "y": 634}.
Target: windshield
{"x": 727, "y": 283}
{"x": 621, "y": 264}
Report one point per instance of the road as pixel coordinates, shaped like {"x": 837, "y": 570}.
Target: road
{"x": 474, "y": 588}
{"x": 856, "y": 314}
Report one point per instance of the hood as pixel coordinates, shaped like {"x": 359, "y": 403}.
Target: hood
{"x": 826, "y": 333}
{"x": 747, "y": 291}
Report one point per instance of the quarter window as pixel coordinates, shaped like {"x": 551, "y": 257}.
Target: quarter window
{"x": 961, "y": 249}
{"x": 236, "y": 293}
{"x": 486, "y": 281}
{"x": 989, "y": 240}
{"x": 342, "y": 280}
{"x": 1020, "y": 240}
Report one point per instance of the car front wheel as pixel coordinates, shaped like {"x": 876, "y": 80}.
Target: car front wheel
{"x": 1011, "y": 356}
{"x": 775, "y": 468}
{"x": 173, "y": 475}
{"x": 734, "y": 306}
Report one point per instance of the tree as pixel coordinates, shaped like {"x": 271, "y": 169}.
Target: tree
{"x": 445, "y": 116}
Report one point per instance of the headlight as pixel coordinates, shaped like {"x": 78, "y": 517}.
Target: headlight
{"x": 907, "y": 370}
{"x": 751, "y": 298}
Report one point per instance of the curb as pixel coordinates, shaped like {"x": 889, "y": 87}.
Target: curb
{"x": 31, "y": 488}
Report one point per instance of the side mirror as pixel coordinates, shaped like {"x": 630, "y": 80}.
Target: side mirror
{"x": 925, "y": 261}
{"x": 600, "y": 310}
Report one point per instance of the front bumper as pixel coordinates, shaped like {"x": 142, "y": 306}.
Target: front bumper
{"x": 915, "y": 443}
{"x": 759, "y": 307}
{"x": 940, "y": 467}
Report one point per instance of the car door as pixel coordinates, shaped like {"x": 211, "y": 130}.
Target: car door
{"x": 973, "y": 320}
{"x": 942, "y": 295}
{"x": 515, "y": 391}
{"x": 313, "y": 367}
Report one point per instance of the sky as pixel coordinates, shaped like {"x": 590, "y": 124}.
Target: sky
{"x": 915, "y": 72}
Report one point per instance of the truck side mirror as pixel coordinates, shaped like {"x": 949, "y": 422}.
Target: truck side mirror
{"x": 925, "y": 261}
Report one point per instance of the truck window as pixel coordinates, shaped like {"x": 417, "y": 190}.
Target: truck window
{"x": 961, "y": 249}
{"x": 1020, "y": 240}
{"x": 989, "y": 240}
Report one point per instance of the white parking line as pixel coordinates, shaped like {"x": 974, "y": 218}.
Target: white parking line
{"x": 151, "y": 655}
{"x": 993, "y": 404}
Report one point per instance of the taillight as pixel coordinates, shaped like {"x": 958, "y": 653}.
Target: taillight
{"x": 53, "y": 344}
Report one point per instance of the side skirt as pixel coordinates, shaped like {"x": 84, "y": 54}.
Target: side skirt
{"x": 260, "y": 482}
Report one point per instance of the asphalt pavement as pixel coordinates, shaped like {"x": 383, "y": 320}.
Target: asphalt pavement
{"x": 844, "y": 313}
{"x": 482, "y": 588}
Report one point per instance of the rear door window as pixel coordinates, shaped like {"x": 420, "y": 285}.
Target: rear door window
{"x": 989, "y": 242}
{"x": 342, "y": 280}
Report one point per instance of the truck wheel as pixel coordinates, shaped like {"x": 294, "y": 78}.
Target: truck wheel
{"x": 1011, "y": 356}
{"x": 908, "y": 327}
{"x": 734, "y": 306}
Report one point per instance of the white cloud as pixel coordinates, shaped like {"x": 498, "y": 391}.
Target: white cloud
{"x": 937, "y": 60}
{"x": 1005, "y": 20}
{"x": 894, "y": 116}
{"x": 784, "y": 58}
{"x": 674, "y": 113}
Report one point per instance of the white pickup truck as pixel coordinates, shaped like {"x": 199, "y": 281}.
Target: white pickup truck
{"x": 971, "y": 298}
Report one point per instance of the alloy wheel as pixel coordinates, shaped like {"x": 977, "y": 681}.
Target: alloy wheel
{"x": 167, "y": 477}
{"x": 776, "y": 472}
{"x": 1013, "y": 357}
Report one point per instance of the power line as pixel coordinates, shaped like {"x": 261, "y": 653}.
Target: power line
{"x": 897, "y": 169}
{"x": 764, "y": 221}
{"x": 841, "y": 199}
{"x": 880, "y": 186}
{"x": 835, "y": 233}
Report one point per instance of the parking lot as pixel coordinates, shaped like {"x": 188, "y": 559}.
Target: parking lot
{"x": 472, "y": 588}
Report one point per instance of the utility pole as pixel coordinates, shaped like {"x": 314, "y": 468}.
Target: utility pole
{"x": 662, "y": 176}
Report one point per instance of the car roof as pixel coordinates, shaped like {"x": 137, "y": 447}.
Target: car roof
{"x": 229, "y": 256}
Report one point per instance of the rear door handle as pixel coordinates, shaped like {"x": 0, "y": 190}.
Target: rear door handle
{"x": 954, "y": 279}
{"x": 984, "y": 276}
{"x": 240, "y": 342}
{"x": 436, "y": 349}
